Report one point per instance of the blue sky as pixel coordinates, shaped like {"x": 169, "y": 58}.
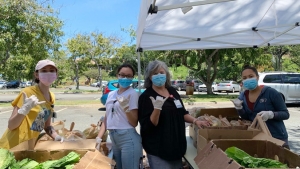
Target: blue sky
{"x": 107, "y": 16}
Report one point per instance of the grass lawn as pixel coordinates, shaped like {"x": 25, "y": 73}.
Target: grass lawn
{"x": 207, "y": 98}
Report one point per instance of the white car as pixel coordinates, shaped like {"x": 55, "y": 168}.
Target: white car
{"x": 288, "y": 84}
{"x": 28, "y": 83}
{"x": 228, "y": 86}
{"x": 96, "y": 84}
{"x": 202, "y": 87}
{"x": 3, "y": 84}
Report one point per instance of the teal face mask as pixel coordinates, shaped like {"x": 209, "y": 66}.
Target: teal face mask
{"x": 159, "y": 79}
{"x": 124, "y": 82}
{"x": 250, "y": 84}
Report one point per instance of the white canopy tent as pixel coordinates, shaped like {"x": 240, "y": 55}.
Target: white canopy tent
{"x": 214, "y": 24}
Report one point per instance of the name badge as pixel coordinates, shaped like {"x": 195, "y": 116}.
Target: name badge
{"x": 178, "y": 104}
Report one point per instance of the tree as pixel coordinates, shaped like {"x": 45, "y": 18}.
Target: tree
{"x": 202, "y": 64}
{"x": 231, "y": 65}
{"x": 27, "y": 28}
{"x": 295, "y": 55}
{"x": 79, "y": 50}
{"x": 101, "y": 48}
{"x": 278, "y": 52}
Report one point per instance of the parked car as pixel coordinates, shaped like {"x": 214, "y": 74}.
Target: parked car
{"x": 28, "y": 83}
{"x": 178, "y": 84}
{"x": 196, "y": 83}
{"x": 114, "y": 85}
{"x": 104, "y": 83}
{"x": 202, "y": 88}
{"x": 97, "y": 84}
{"x": 3, "y": 84}
{"x": 22, "y": 85}
{"x": 228, "y": 86}
{"x": 13, "y": 84}
{"x": 286, "y": 83}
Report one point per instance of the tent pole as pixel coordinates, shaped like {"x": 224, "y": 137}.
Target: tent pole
{"x": 188, "y": 4}
{"x": 139, "y": 71}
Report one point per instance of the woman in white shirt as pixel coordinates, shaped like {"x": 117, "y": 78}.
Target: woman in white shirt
{"x": 121, "y": 119}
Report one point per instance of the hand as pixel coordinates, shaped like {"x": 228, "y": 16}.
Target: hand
{"x": 28, "y": 104}
{"x": 158, "y": 103}
{"x": 237, "y": 103}
{"x": 202, "y": 124}
{"x": 98, "y": 143}
{"x": 124, "y": 103}
{"x": 59, "y": 138}
{"x": 266, "y": 115}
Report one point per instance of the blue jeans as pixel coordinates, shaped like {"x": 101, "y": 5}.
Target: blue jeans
{"x": 127, "y": 148}
{"x": 158, "y": 163}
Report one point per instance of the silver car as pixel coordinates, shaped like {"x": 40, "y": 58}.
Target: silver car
{"x": 3, "y": 84}
{"x": 286, "y": 83}
{"x": 228, "y": 86}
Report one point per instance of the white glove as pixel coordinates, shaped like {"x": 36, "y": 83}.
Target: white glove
{"x": 266, "y": 115}
{"x": 98, "y": 141}
{"x": 158, "y": 103}
{"x": 124, "y": 103}
{"x": 28, "y": 104}
{"x": 237, "y": 103}
{"x": 58, "y": 138}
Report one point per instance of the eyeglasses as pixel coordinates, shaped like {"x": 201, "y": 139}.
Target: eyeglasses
{"x": 125, "y": 76}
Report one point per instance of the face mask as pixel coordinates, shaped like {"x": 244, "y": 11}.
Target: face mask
{"x": 159, "y": 79}
{"x": 250, "y": 84}
{"x": 47, "y": 78}
{"x": 124, "y": 82}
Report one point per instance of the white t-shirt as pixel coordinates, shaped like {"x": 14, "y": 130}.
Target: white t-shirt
{"x": 115, "y": 116}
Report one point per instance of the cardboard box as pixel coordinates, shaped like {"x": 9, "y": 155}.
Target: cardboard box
{"x": 52, "y": 150}
{"x": 205, "y": 135}
{"x": 213, "y": 155}
{"x": 95, "y": 160}
{"x": 229, "y": 113}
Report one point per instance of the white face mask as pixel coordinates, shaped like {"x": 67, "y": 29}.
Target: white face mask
{"x": 47, "y": 78}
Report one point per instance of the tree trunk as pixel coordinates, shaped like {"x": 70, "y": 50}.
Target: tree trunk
{"x": 209, "y": 88}
{"x": 77, "y": 78}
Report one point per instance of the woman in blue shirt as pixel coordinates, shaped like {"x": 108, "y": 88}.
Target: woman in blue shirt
{"x": 264, "y": 101}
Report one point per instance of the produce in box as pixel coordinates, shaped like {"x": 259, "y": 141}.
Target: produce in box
{"x": 8, "y": 161}
{"x": 248, "y": 161}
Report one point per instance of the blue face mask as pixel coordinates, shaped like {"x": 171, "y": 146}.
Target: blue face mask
{"x": 250, "y": 84}
{"x": 159, "y": 79}
{"x": 124, "y": 82}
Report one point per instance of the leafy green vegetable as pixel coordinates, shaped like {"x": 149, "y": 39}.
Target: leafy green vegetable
{"x": 248, "y": 161}
{"x": 45, "y": 165}
{"x": 30, "y": 164}
{"x": 70, "y": 166}
{"x": 71, "y": 158}
{"x": 7, "y": 158}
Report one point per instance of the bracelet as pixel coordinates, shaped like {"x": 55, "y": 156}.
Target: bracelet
{"x": 195, "y": 120}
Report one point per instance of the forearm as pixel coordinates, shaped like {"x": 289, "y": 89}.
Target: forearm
{"x": 189, "y": 119}
{"x": 281, "y": 115}
{"x": 51, "y": 132}
{"x": 154, "y": 118}
{"x": 15, "y": 120}
{"x": 132, "y": 117}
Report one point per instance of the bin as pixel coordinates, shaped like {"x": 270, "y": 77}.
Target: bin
{"x": 189, "y": 89}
